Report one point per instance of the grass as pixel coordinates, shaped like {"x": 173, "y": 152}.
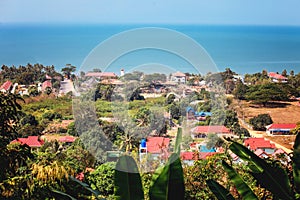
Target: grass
{"x": 39, "y": 106}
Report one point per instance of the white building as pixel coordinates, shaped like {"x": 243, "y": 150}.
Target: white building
{"x": 178, "y": 77}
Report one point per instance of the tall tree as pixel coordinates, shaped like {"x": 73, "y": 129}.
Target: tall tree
{"x": 284, "y": 72}
{"x": 262, "y": 94}
{"x": 10, "y": 111}
{"x": 240, "y": 91}
{"x": 292, "y": 73}
{"x": 67, "y": 71}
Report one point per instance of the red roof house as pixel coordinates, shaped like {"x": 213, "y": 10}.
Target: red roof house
{"x": 178, "y": 77}
{"x": 277, "y": 77}
{"x": 157, "y": 144}
{"x": 189, "y": 156}
{"x": 67, "y": 139}
{"x": 280, "y": 129}
{"x": 46, "y": 84}
{"x": 261, "y": 153}
{"x": 202, "y": 131}
{"x": 5, "y": 87}
{"x": 31, "y": 141}
{"x": 60, "y": 138}
{"x": 260, "y": 143}
{"x": 205, "y": 155}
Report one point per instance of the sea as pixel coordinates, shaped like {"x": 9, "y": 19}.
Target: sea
{"x": 243, "y": 49}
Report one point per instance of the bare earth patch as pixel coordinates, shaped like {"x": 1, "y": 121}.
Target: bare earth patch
{"x": 286, "y": 141}
{"x": 284, "y": 112}
{"x": 289, "y": 112}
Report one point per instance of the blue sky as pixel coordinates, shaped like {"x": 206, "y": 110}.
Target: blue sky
{"x": 245, "y": 12}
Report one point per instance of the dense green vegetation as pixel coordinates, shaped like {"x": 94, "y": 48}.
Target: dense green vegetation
{"x": 48, "y": 172}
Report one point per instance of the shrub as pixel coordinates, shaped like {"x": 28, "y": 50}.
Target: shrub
{"x": 260, "y": 122}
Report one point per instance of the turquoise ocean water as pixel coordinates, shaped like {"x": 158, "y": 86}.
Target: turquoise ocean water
{"x": 245, "y": 49}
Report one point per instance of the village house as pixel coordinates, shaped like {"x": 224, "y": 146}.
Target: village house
{"x": 178, "y": 77}
{"x": 203, "y": 131}
{"x": 280, "y": 129}
{"x": 45, "y": 85}
{"x": 6, "y": 87}
{"x": 157, "y": 147}
{"x": 31, "y": 141}
{"x": 193, "y": 115}
{"x": 188, "y": 158}
{"x": 38, "y": 141}
{"x": 277, "y": 78}
{"x": 260, "y": 143}
{"x": 68, "y": 139}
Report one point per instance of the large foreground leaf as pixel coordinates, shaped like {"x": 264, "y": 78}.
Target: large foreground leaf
{"x": 272, "y": 177}
{"x": 296, "y": 163}
{"x": 178, "y": 141}
{"x": 244, "y": 190}
{"x": 63, "y": 195}
{"x": 219, "y": 191}
{"x": 167, "y": 181}
{"x": 127, "y": 181}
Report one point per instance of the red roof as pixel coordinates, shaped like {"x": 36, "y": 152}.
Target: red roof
{"x": 205, "y": 155}
{"x": 6, "y": 86}
{"x": 277, "y": 76}
{"x": 189, "y": 156}
{"x": 157, "y": 144}
{"x": 46, "y": 84}
{"x": 281, "y": 126}
{"x": 256, "y": 143}
{"x": 260, "y": 153}
{"x": 279, "y": 151}
{"x": 180, "y": 74}
{"x": 210, "y": 129}
{"x": 67, "y": 139}
{"x": 196, "y": 155}
{"x": 101, "y": 74}
{"x": 59, "y": 138}
{"x": 32, "y": 141}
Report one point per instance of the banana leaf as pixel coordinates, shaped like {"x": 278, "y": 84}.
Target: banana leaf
{"x": 178, "y": 141}
{"x": 167, "y": 182}
{"x": 75, "y": 187}
{"x": 273, "y": 178}
{"x": 243, "y": 189}
{"x": 127, "y": 180}
{"x": 296, "y": 163}
{"x": 63, "y": 195}
{"x": 219, "y": 191}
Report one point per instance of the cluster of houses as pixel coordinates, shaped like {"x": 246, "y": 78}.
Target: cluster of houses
{"x": 38, "y": 141}
{"x": 11, "y": 87}
{"x": 159, "y": 147}
{"x": 175, "y": 79}
{"x": 262, "y": 148}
